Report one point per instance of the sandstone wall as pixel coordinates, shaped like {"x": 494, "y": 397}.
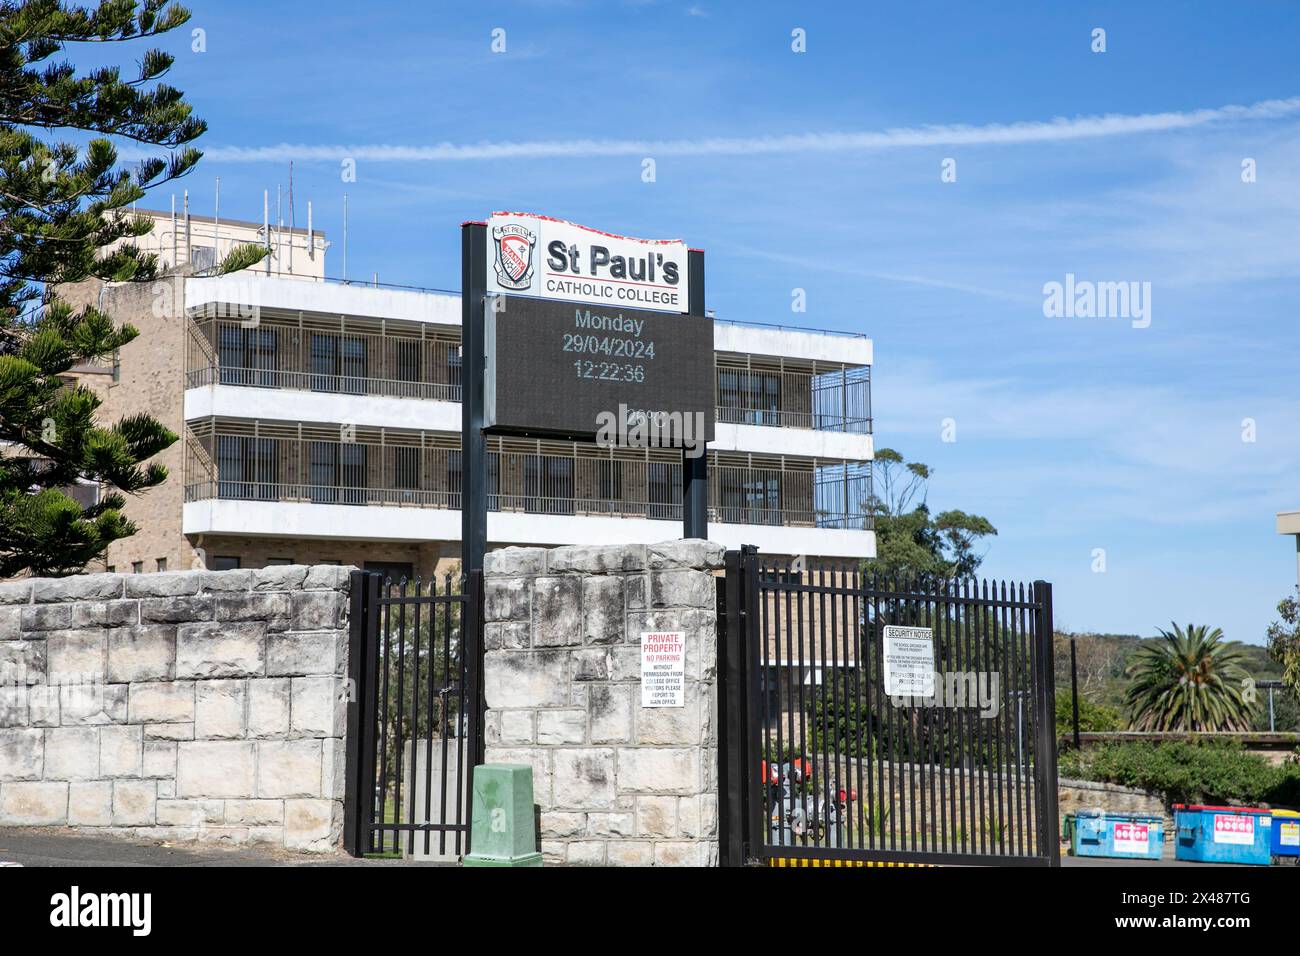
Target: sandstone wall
{"x": 616, "y": 783}
{"x": 183, "y": 705}
{"x": 1076, "y": 795}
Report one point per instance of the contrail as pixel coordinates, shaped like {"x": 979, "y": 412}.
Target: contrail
{"x": 1054, "y": 130}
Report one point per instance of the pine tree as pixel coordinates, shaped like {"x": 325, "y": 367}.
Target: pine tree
{"x": 61, "y": 205}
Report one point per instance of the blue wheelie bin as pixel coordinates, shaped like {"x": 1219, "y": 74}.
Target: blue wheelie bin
{"x": 1286, "y": 833}
{"x": 1124, "y": 835}
{"x": 1223, "y": 834}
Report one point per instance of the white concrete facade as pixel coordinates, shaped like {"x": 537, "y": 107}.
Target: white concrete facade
{"x": 413, "y": 524}
{"x": 246, "y": 518}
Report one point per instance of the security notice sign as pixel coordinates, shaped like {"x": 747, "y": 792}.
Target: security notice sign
{"x": 663, "y": 668}
{"x": 553, "y": 259}
{"x": 909, "y": 661}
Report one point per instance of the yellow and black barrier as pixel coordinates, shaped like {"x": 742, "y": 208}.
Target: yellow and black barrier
{"x": 814, "y": 861}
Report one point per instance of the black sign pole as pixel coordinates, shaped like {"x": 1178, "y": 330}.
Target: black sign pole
{"x": 695, "y": 470}
{"x": 473, "y": 446}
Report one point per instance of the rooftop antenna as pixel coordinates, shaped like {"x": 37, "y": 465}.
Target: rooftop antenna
{"x": 279, "y": 226}
{"x": 266, "y": 226}
{"x": 292, "y": 222}
{"x": 345, "y": 237}
{"x": 216, "y": 226}
{"x": 174, "y": 236}
{"x": 187, "y": 227}
{"x": 311, "y": 236}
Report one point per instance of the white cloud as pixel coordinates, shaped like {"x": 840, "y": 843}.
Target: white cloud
{"x": 1055, "y": 130}
{"x": 1143, "y": 450}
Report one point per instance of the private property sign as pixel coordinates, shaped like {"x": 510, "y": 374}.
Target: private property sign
{"x": 663, "y": 668}
{"x": 909, "y": 661}
{"x": 553, "y": 259}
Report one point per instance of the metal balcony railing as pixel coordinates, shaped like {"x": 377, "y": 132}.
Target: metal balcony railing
{"x": 317, "y": 382}
{"x": 583, "y": 507}
{"x": 278, "y": 462}
{"x": 414, "y": 360}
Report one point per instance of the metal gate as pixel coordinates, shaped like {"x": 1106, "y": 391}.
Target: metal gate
{"x": 414, "y": 715}
{"x": 819, "y": 761}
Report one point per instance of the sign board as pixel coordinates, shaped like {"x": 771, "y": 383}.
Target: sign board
{"x": 1132, "y": 837}
{"x": 1234, "y": 828}
{"x": 909, "y": 661}
{"x": 553, "y": 259}
{"x": 1289, "y": 834}
{"x": 663, "y": 668}
{"x": 560, "y": 367}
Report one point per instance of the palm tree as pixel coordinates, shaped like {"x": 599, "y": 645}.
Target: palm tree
{"x": 1191, "y": 680}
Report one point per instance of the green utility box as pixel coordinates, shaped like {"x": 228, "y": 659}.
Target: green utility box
{"x": 503, "y": 831}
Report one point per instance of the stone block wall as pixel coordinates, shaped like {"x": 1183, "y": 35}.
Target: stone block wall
{"x": 1076, "y": 795}
{"x": 197, "y": 705}
{"x": 616, "y": 783}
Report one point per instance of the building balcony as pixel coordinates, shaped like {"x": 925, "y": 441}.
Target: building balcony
{"x": 331, "y": 357}
{"x": 255, "y": 478}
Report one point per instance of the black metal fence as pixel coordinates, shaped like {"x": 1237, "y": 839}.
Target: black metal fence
{"x": 414, "y": 716}
{"x": 867, "y": 719}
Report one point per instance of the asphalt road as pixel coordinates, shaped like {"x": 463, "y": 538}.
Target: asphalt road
{"x": 28, "y": 846}
{"x": 33, "y": 846}
{"x": 1166, "y": 860}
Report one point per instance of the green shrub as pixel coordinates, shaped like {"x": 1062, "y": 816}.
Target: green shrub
{"x": 1201, "y": 772}
{"x": 1093, "y": 718}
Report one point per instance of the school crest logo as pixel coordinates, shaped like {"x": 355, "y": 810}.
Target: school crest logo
{"x": 514, "y": 259}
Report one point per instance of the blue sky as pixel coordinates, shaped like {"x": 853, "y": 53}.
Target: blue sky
{"x": 1072, "y": 434}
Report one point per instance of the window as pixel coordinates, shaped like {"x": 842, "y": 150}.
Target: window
{"x": 406, "y": 360}
{"x": 324, "y": 363}
{"x": 247, "y": 467}
{"x": 84, "y": 493}
{"x": 747, "y": 397}
{"x": 749, "y": 497}
{"x": 247, "y": 355}
{"x": 203, "y": 257}
{"x": 548, "y": 485}
{"x": 406, "y": 468}
{"x": 454, "y": 364}
{"x": 352, "y": 472}
{"x": 454, "y": 476}
{"x": 609, "y": 476}
{"x": 323, "y": 472}
{"x": 337, "y": 473}
{"x": 112, "y": 568}
{"x": 137, "y": 567}
{"x": 338, "y": 363}
{"x": 270, "y": 562}
{"x": 352, "y": 364}
{"x": 225, "y": 562}
{"x": 333, "y": 561}
{"x": 161, "y": 563}
{"x": 664, "y": 489}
